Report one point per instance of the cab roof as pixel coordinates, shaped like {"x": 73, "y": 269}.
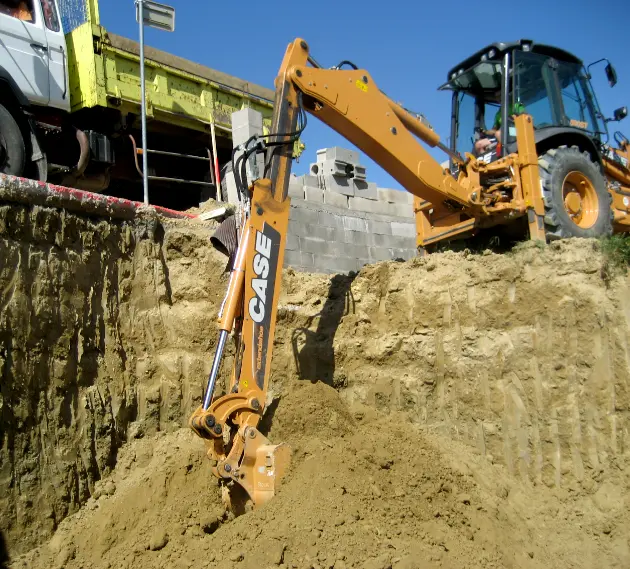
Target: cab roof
{"x": 500, "y": 49}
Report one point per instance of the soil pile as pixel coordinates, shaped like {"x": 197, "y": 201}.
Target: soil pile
{"x": 365, "y": 490}
{"x": 456, "y": 411}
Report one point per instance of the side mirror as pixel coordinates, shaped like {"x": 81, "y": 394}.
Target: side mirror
{"x": 621, "y": 113}
{"x": 611, "y": 75}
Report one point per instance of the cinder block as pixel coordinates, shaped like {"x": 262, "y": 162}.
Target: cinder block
{"x": 402, "y": 210}
{"x": 303, "y": 215}
{"x": 246, "y": 117}
{"x": 316, "y": 246}
{"x": 360, "y": 173}
{"x": 354, "y": 223}
{"x": 298, "y": 259}
{"x": 338, "y": 153}
{"x": 308, "y": 180}
{"x": 405, "y": 254}
{"x": 380, "y": 254}
{"x": 365, "y": 190}
{"x": 232, "y": 192}
{"x": 293, "y": 243}
{"x": 403, "y": 242}
{"x": 371, "y": 206}
{"x": 379, "y": 227}
{"x": 298, "y": 229}
{"x": 296, "y": 189}
{"x": 360, "y": 238}
{"x": 338, "y": 200}
{"x": 394, "y": 196}
{"x": 352, "y": 250}
{"x": 328, "y": 219}
{"x": 334, "y": 263}
{"x": 329, "y": 234}
{"x": 338, "y": 184}
{"x": 403, "y": 229}
{"x": 314, "y": 195}
{"x": 377, "y": 240}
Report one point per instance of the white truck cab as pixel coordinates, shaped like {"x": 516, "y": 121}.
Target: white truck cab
{"x": 33, "y": 51}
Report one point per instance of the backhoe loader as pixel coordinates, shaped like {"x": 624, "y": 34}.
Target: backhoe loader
{"x": 546, "y": 164}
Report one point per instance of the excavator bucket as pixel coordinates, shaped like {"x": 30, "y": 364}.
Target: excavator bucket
{"x": 259, "y": 475}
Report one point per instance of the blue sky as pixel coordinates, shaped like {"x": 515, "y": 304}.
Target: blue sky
{"x": 407, "y": 46}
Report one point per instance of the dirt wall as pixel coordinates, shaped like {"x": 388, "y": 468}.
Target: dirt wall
{"x": 480, "y": 415}
{"x": 102, "y": 327}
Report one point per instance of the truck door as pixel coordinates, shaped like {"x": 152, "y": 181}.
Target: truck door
{"x": 57, "y": 56}
{"x": 24, "y": 48}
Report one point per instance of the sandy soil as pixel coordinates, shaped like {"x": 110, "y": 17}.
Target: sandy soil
{"x": 456, "y": 411}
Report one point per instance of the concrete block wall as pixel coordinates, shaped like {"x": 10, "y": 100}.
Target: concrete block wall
{"x": 339, "y": 222}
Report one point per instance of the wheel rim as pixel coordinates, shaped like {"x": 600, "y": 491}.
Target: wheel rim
{"x": 580, "y": 199}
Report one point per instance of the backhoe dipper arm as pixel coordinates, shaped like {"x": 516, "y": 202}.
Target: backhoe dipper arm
{"x": 349, "y": 102}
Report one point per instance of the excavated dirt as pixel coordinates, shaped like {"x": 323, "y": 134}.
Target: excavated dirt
{"x": 455, "y": 411}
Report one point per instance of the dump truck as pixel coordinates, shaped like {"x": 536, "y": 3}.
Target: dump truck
{"x": 70, "y": 107}
{"x": 545, "y": 164}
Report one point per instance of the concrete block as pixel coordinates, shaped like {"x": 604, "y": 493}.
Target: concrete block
{"x": 380, "y": 254}
{"x": 314, "y": 195}
{"x": 338, "y": 184}
{"x": 404, "y": 254}
{"x": 308, "y": 180}
{"x": 330, "y": 220}
{"x": 361, "y": 204}
{"x": 329, "y": 234}
{"x": 316, "y": 246}
{"x": 338, "y": 153}
{"x": 359, "y": 238}
{"x": 338, "y": 200}
{"x": 232, "y": 192}
{"x": 335, "y": 264}
{"x": 367, "y": 190}
{"x": 379, "y": 227}
{"x": 403, "y": 242}
{"x": 246, "y": 117}
{"x": 303, "y": 215}
{"x": 296, "y": 189}
{"x": 245, "y": 124}
{"x": 298, "y": 259}
{"x": 402, "y": 210}
{"x": 355, "y": 223}
{"x": 377, "y": 240}
{"x": 360, "y": 173}
{"x": 404, "y": 229}
{"x": 352, "y": 250}
{"x": 293, "y": 243}
{"x": 394, "y": 196}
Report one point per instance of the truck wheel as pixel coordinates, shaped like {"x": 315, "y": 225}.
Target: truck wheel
{"x": 12, "y": 152}
{"x": 577, "y": 203}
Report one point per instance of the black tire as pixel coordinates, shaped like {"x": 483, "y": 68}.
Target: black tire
{"x": 554, "y": 167}
{"x": 227, "y": 168}
{"x": 12, "y": 150}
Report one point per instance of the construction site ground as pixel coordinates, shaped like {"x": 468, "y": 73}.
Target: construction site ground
{"x": 455, "y": 411}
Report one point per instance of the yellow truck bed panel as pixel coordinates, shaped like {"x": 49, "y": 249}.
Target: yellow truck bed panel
{"x": 105, "y": 71}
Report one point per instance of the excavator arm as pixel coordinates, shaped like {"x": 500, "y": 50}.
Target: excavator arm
{"x": 350, "y": 102}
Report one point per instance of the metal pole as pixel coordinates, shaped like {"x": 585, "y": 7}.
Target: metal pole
{"x": 217, "y": 174}
{"x": 143, "y": 110}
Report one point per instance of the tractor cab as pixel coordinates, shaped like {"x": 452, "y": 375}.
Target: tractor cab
{"x": 506, "y": 79}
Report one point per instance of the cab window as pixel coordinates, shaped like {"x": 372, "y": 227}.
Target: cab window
{"x": 51, "y": 18}
{"x": 20, "y": 9}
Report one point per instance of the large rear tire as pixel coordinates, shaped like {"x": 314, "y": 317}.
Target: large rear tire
{"x": 577, "y": 203}
{"x": 12, "y": 150}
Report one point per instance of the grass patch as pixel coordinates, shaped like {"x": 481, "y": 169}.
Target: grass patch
{"x": 616, "y": 250}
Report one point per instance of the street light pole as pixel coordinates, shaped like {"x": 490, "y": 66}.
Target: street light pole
{"x": 143, "y": 110}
